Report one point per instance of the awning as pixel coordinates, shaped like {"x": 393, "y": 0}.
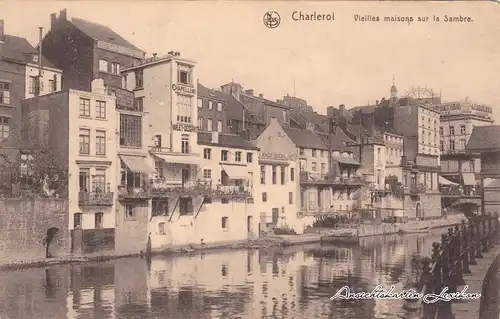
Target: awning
{"x": 444, "y": 181}
{"x": 235, "y": 171}
{"x": 469, "y": 179}
{"x": 345, "y": 160}
{"x": 137, "y": 164}
{"x": 491, "y": 183}
{"x": 179, "y": 159}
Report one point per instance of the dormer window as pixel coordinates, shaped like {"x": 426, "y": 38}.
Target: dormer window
{"x": 35, "y": 58}
{"x": 184, "y": 74}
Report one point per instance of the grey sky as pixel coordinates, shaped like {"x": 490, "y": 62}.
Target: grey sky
{"x": 340, "y": 62}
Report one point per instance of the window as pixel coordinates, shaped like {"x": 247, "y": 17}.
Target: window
{"x": 139, "y": 79}
{"x": 200, "y": 123}
{"x": 183, "y": 74}
{"x": 292, "y": 174}
{"x": 210, "y": 125}
{"x": 159, "y": 169}
{"x": 262, "y": 174}
{"x": 129, "y": 212}
{"x": 452, "y": 130}
{"x": 462, "y": 129}
{"x": 462, "y": 144}
{"x": 103, "y": 65}
{"x": 32, "y": 85}
{"x": 207, "y": 153}
{"x": 290, "y": 198}
{"x": 139, "y": 104}
{"x": 452, "y": 145}
{"x": 323, "y": 168}
{"x": 200, "y": 103}
{"x": 224, "y": 155}
{"x": 283, "y": 175}
{"x": 161, "y": 229}
{"x": 99, "y": 181}
{"x": 183, "y": 108}
{"x": 207, "y": 173}
{"x": 314, "y": 166}
{"x": 157, "y": 141}
{"x": 98, "y": 217}
{"x": 185, "y": 144}
{"x": 313, "y": 153}
{"x": 124, "y": 82}
{"x": 186, "y": 206}
{"x": 219, "y": 126}
{"x": 115, "y": 68}
{"x": 100, "y": 108}
{"x": 51, "y": 86}
{"x": 249, "y": 158}
{"x": 84, "y": 179}
{"x": 274, "y": 175}
{"x": 85, "y": 107}
{"x": 100, "y": 143}
{"x": 219, "y": 106}
{"x": 301, "y": 151}
{"x": 237, "y": 156}
{"x": 84, "y": 142}
{"x": 264, "y": 197}
{"x": 26, "y": 171}
{"x": 130, "y": 130}
{"x": 322, "y": 153}
{"x": 4, "y": 93}
{"x": 4, "y": 127}
{"x": 441, "y": 131}
{"x": 210, "y": 105}
{"x": 225, "y": 222}
{"x": 77, "y": 220}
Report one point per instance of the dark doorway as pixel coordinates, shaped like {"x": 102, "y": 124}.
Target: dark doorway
{"x": 276, "y": 215}
{"x": 51, "y": 233}
{"x": 419, "y": 211}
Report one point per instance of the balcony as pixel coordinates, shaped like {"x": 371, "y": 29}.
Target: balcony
{"x": 95, "y": 199}
{"x": 134, "y": 192}
{"x": 328, "y": 180}
{"x": 461, "y": 191}
{"x": 162, "y": 187}
{"x": 416, "y": 189}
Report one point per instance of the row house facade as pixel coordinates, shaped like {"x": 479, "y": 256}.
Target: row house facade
{"x": 212, "y": 110}
{"x": 24, "y": 73}
{"x": 85, "y": 51}
{"x": 459, "y": 168}
{"x": 55, "y": 121}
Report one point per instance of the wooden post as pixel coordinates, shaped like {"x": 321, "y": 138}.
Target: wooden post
{"x": 465, "y": 248}
{"x": 477, "y": 223}
{"x": 445, "y": 307}
{"x": 458, "y": 256}
{"x": 484, "y": 233}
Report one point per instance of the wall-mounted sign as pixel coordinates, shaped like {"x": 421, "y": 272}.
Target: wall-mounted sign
{"x": 184, "y": 127}
{"x": 119, "y": 49}
{"x": 278, "y": 156}
{"x": 183, "y": 88}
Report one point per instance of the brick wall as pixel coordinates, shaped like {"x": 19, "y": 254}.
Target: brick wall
{"x": 24, "y": 224}
{"x": 109, "y": 78}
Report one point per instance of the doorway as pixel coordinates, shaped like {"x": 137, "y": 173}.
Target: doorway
{"x": 418, "y": 212}
{"x": 185, "y": 176}
{"x": 51, "y": 233}
{"x": 276, "y": 215}
{"x": 250, "y": 226}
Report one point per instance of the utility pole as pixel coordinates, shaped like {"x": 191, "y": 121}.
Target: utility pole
{"x": 39, "y": 77}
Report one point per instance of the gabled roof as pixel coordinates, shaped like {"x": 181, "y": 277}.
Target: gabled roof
{"x": 305, "y": 138}
{"x": 102, "y": 33}
{"x": 226, "y": 140}
{"x": 20, "y": 50}
{"x": 484, "y": 138}
{"x": 340, "y": 141}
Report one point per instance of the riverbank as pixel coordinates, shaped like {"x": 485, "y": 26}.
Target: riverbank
{"x": 258, "y": 243}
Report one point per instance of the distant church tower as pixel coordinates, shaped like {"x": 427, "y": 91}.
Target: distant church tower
{"x": 394, "y": 90}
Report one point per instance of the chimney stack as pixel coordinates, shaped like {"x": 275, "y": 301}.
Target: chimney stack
{"x": 53, "y": 20}
{"x": 261, "y": 96}
{"x": 154, "y": 55}
{"x": 341, "y": 109}
{"x": 249, "y": 92}
{"x": 63, "y": 15}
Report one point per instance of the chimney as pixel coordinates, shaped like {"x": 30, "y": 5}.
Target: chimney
{"x": 63, "y": 15}
{"x": 170, "y": 53}
{"x": 341, "y": 109}
{"x": 233, "y": 89}
{"x": 261, "y": 96}
{"x": 154, "y": 55}
{"x": 98, "y": 86}
{"x": 215, "y": 137}
{"x": 249, "y": 92}
{"x": 53, "y": 20}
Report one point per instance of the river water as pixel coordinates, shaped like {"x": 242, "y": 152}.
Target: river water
{"x": 293, "y": 282}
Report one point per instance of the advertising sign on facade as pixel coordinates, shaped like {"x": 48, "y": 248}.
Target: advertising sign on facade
{"x": 278, "y": 156}
{"x": 184, "y": 127}
{"x": 183, "y": 88}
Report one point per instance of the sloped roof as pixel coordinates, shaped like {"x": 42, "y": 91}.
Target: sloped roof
{"x": 102, "y": 33}
{"x": 339, "y": 141}
{"x": 225, "y": 140}
{"x": 484, "y": 138}
{"x": 305, "y": 138}
{"x": 19, "y": 49}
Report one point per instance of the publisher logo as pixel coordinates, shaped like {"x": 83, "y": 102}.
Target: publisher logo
{"x": 272, "y": 19}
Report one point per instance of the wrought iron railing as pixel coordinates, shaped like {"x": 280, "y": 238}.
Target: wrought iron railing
{"x": 95, "y": 199}
{"x": 125, "y": 191}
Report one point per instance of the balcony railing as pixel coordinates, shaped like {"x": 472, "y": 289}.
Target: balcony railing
{"x": 159, "y": 149}
{"x": 461, "y": 191}
{"x": 164, "y": 187}
{"x": 131, "y": 192}
{"x": 95, "y": 199}
{"x": 417, "y": 189}
{"x": 318, "y": 178}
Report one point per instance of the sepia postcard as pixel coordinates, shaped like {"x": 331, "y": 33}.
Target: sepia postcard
{"x": 249, "y": 159}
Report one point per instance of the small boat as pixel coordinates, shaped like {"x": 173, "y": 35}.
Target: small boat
{"x": 414, "y": 231}
{"x": 340, "y": 239}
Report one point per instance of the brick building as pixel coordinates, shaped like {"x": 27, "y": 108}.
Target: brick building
{"x": 86, "y": 51}
{"x": 212, "y": 110}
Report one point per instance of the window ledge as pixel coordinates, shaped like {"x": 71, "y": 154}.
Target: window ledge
{"x": 138, "y": 88}
{"x": 101, "y": 119}
{"x": 7, "y": 105}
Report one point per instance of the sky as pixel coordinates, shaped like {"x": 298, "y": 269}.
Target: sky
{"x": 324, "y": 62}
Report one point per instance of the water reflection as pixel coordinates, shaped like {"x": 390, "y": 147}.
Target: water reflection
{"x": 294, "y": 282}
